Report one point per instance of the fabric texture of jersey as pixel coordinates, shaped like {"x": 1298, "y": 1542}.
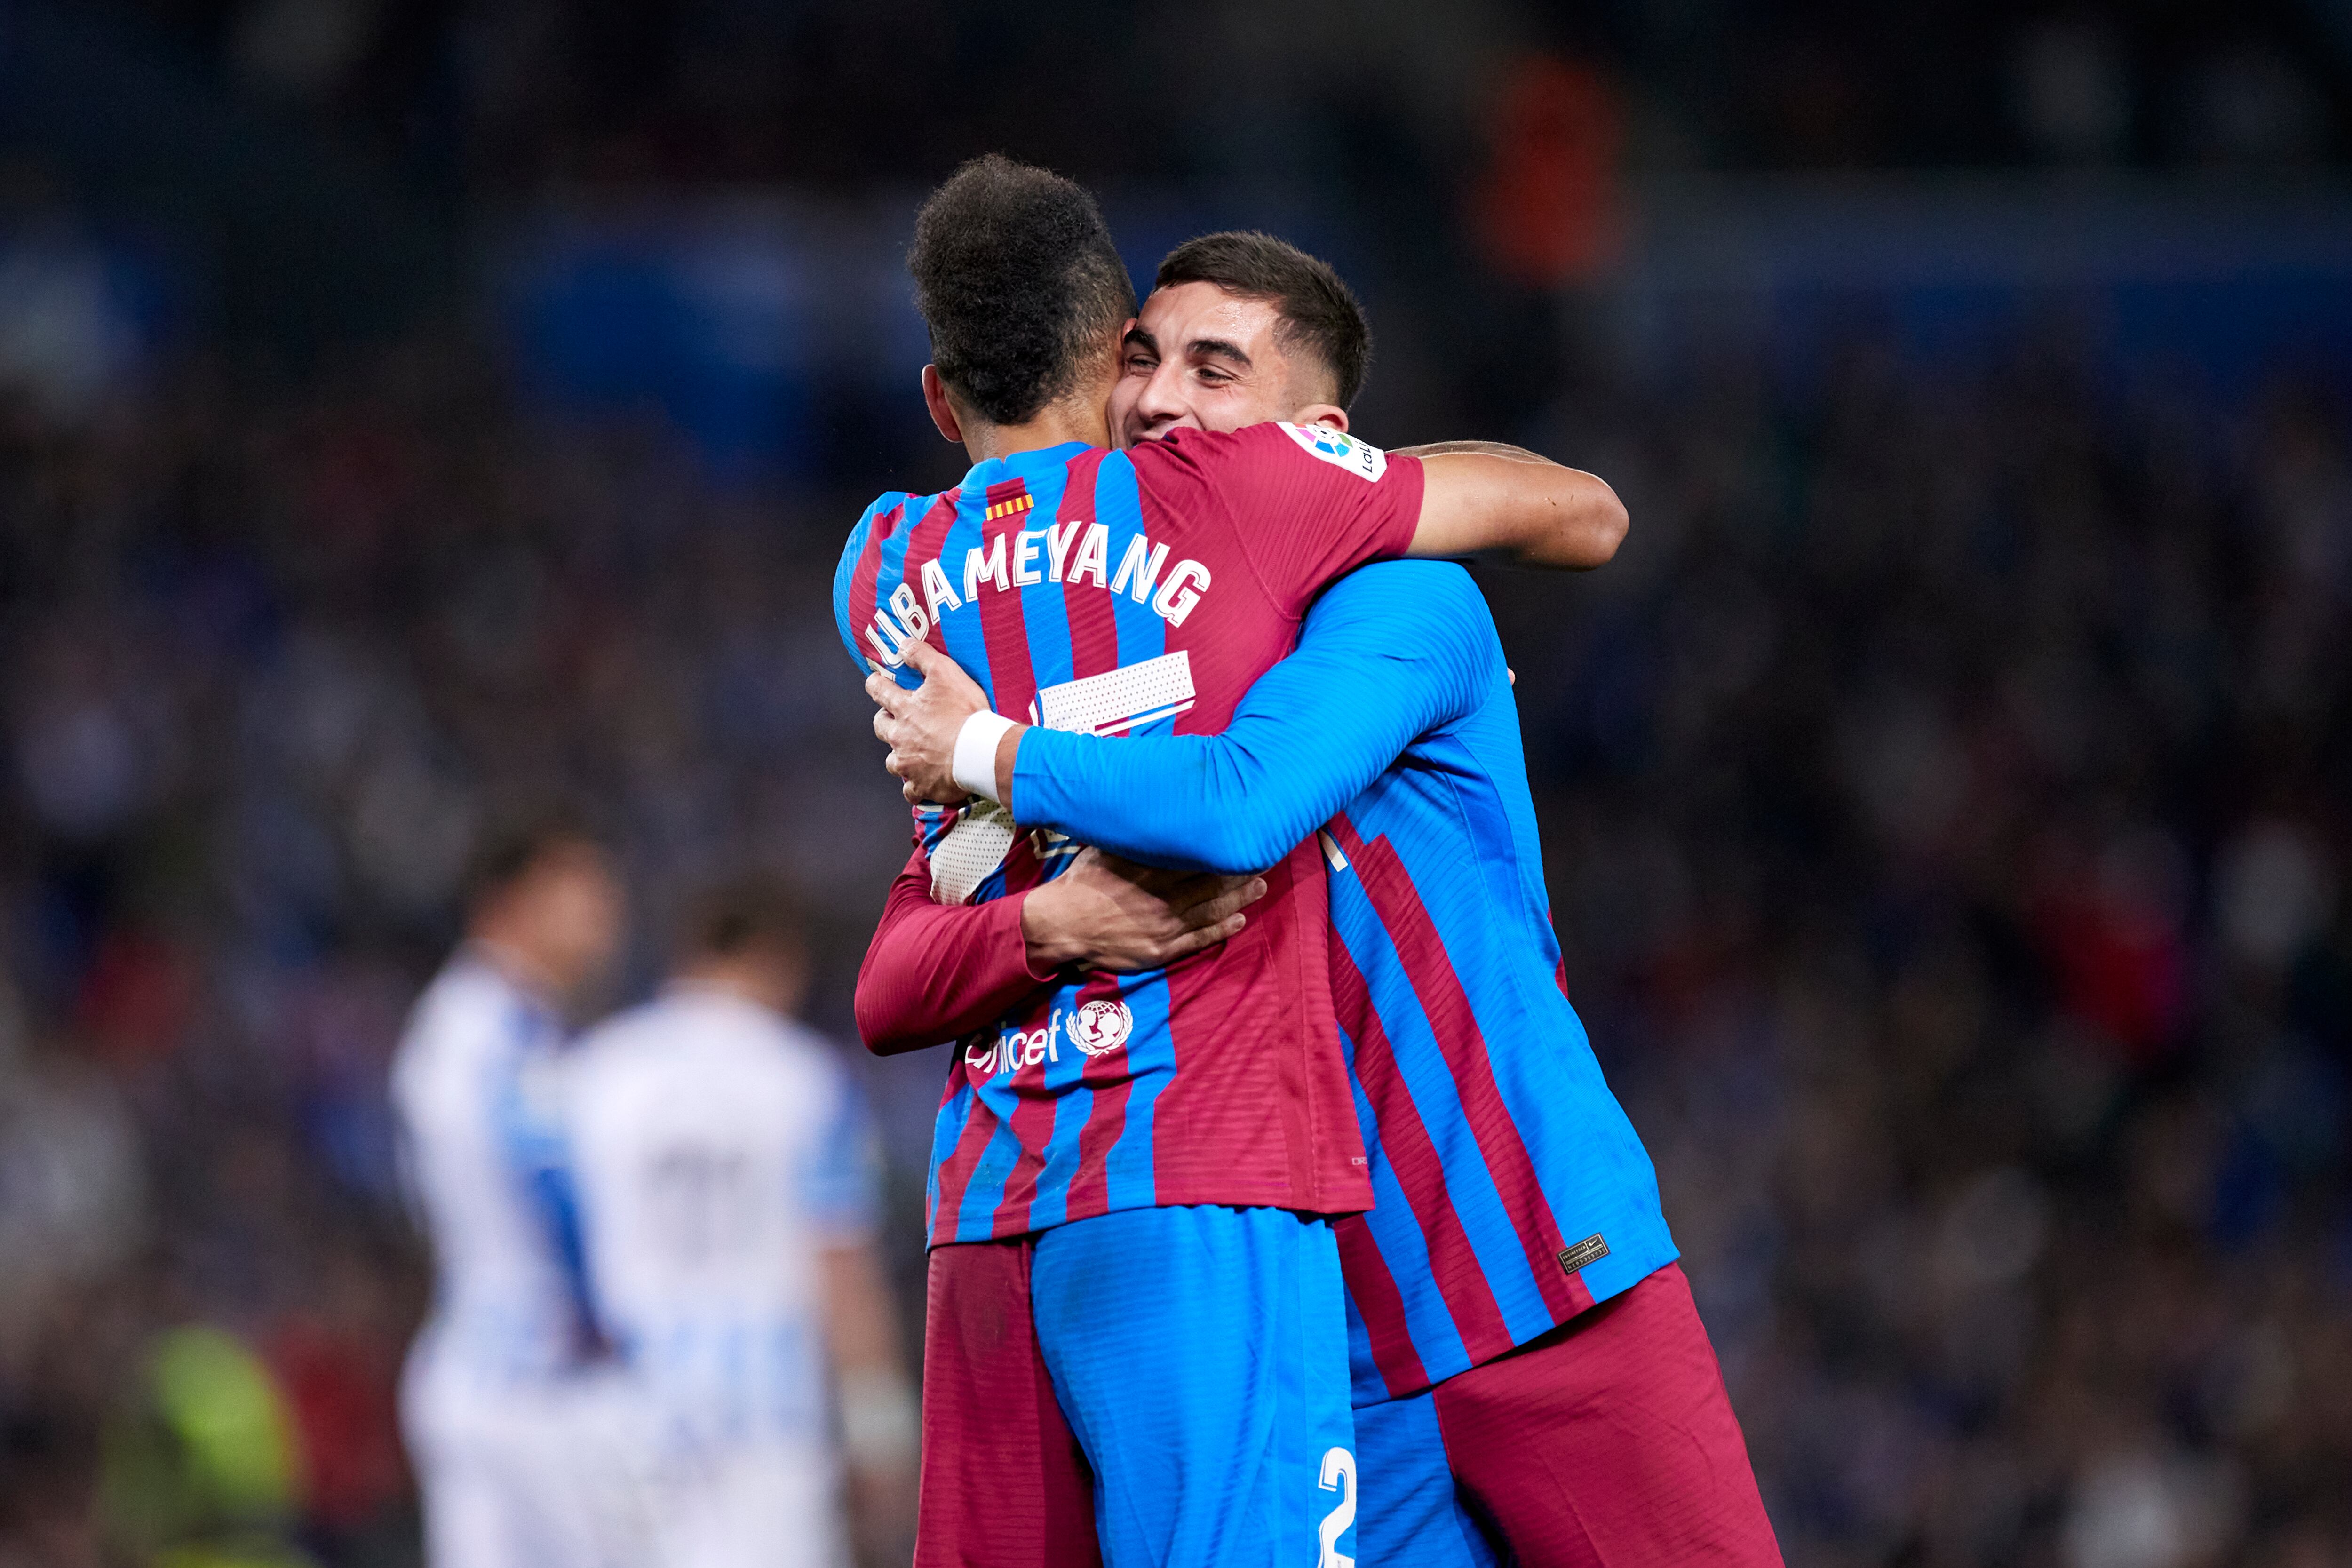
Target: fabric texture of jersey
{"x": 1136, "y": 593}
{"x": 718, "y": 1148}
{"x": 1217, "y": 1418}
{"x": 1512, "y": 1191}
{"x": 474, "y": 1087}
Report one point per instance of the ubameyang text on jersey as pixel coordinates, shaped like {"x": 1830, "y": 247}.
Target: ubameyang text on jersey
{"x": 1068, "y": 553}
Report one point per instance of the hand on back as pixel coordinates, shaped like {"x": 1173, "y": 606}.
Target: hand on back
{"x": 1112, "y": 915}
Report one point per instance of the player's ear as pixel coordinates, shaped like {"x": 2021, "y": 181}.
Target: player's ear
{"x": 1326, "y": 414}
{"x": 943, "y": 414}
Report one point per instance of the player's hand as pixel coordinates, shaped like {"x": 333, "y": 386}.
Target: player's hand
{"x": 920, "y": 726}
{"x": 1105, "y": 913}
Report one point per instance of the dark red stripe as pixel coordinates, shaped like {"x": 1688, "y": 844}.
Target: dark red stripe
{"x": 955, "y": 1171}
{"x": 1032, "y": 1128}
{"x": 1093, "y": 624}
{"x": 861, "y": 578}
{"x": 924, "y": 545}
{"x": 1453, "y": 1262}
{"x": 1381, "y": 1306}
{"x": 1012, "y": 684}
{"x": 1022, "y": 871}
{"x": 1455, "y": 1024}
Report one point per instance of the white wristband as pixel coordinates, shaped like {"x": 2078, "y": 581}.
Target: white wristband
{"x": 975, "y": 753}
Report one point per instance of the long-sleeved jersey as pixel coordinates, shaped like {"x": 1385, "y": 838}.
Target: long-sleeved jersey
{"x": 1133, "y": 593}
{"x": 1512, "y": 1191}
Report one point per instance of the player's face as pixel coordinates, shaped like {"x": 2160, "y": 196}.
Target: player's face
{"x": 1199, "y": 358}
{"x": 574, "y": 910}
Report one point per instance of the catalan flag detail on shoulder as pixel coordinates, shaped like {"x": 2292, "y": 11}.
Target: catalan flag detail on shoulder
{"x": 1007, "y": 499}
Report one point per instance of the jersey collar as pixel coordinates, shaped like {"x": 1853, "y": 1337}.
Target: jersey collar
{"x": 1022, "y": 465}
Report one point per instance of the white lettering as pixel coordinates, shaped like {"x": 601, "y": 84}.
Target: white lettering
{"x": 889, "y": 641}
{"x": 979, "y": 568}
{"x": 937, "y": 591}
{"x": 1024, "y": 551}
{"x": 910, "y": 615}
{"x": 1176, "y": 596}
{"x": 1015, "y": 1048}
{"x": 1142, "y": 562}
{"x": 1094, "y": 555}
{"x": 1058, "y": 540}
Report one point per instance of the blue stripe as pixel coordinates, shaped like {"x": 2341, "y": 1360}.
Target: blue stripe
{"x": 893, "y": 564}
{"x": 1141, "y": 633}
{"x": 1151, "y": 1060}
{"x": 537, "y": 1153}
{"x": 1151, "y": 1055}
{"x": 1588, "y": 1162}
{"x": 966, "y": 640}
{"x": 1405, "y": 1251}
{"x": 1429, "y": 1082}
{"x": 1064, "y": 1075}
{"x": 947, "y": 1131}
{"x": 1044, "y": 612}
{"x": 976, "y": 1219}
{"x": 852, "y": 635}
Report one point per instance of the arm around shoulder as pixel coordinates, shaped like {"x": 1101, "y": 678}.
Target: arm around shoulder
{"x": 1484, "y": 496}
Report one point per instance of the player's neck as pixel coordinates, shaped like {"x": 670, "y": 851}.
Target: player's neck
{"x": 767, "y": 984}
{"x": 518, "y": 963}
{"x": 1057, "y": 425}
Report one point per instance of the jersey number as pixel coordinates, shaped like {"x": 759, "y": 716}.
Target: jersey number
{"x": 1338, "y": 1476}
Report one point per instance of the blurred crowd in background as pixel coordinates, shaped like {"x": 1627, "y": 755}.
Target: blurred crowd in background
{"x": 1945, "y": 792}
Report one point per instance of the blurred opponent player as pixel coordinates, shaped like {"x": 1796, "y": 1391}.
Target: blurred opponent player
{"x": 1138, "y": 1167}
{"x": 1531, "y": 1380}
{"x": 726, "y": 1189}
{"x": 490, "y": 1399}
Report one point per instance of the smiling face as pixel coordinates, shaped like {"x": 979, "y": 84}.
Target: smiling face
{"x": 1201, "y": 358}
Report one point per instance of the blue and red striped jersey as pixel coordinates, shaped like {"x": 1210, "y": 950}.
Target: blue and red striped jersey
{"x": 1512, "y": 1192}
{"x": 1133, "y": 593}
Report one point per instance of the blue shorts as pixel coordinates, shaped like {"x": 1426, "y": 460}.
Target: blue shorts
{"x": 1198, "y": 1356}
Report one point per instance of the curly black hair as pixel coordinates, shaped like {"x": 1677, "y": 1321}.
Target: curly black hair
{"x": 1318, "y": 312}
{"x": 1017, "y": 278}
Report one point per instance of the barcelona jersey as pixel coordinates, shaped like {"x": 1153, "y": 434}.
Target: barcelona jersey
{"x": 1135, "y": 592}
{"x": 1512, "y": 1191}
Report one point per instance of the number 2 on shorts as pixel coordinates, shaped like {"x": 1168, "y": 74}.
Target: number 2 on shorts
{"x": 1339, "y": 1476}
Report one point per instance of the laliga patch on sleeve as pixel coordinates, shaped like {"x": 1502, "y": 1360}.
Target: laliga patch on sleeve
{"x": 1340, "y": 449}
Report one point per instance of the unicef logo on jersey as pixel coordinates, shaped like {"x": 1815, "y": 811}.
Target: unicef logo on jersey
{"x": 1099, "y": 1029}
{"x": 1340, "y": 449}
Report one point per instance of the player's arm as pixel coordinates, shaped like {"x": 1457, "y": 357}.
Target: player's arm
{"x": 1311, "y": 504}
{"x": 1386, "y": 656}
{"x": 1487, "y": 496}
{"x": 935, "y": 972}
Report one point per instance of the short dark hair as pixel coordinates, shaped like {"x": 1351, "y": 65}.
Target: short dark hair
{"x": 1319, "y": 313}
{"x": 1016, "y": 277}
{"x": 516, "y": 843}
{"x": 729, "y": 918}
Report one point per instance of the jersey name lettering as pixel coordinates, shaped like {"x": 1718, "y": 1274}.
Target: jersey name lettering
{"x": 1073, "y": 554}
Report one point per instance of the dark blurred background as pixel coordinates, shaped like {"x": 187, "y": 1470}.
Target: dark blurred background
{"x": 410, "y": 408}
